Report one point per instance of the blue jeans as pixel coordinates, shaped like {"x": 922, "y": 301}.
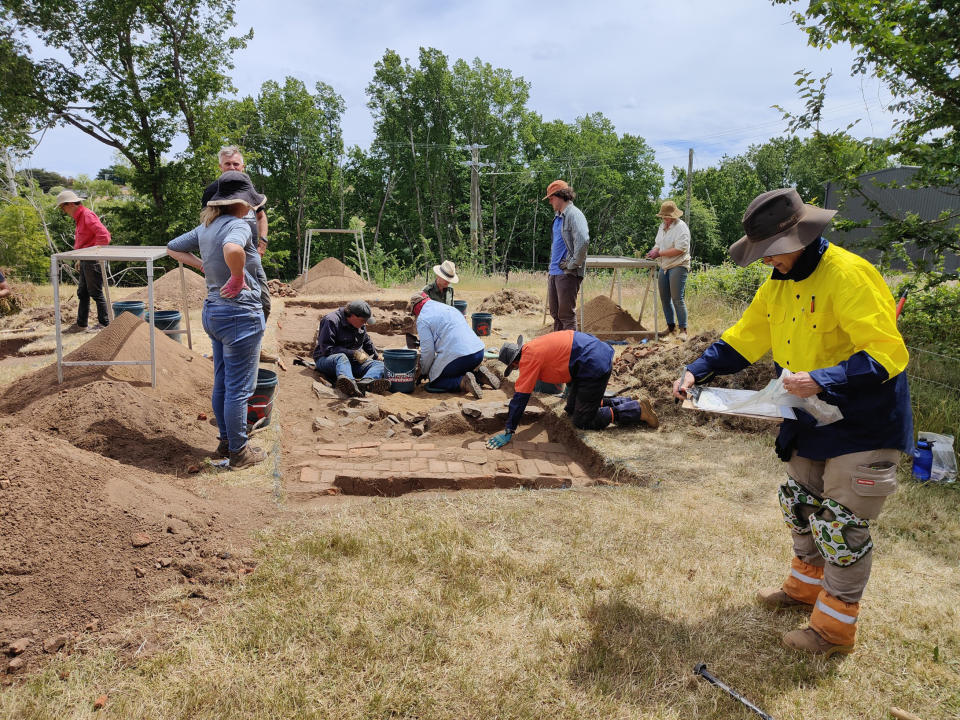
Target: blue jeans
{"x": 236, "y": 333}
{"x": 672, "y": 284}
{"x": 453, "y": 372}
{"x": 333, "y": 366}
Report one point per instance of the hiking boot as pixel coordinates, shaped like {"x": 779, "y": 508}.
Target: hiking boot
{"x": 223, "y": 449}
{"x": 774, "y": 598}
{"x": 348, "y": 386}
{"x": 810, "y": 641}
{"x": 486, "y": 376}
{"x": 380, "y": 386}
{"x": 95, "y": 328}
{"x": 246, "y": 457}
{"x": 73, "y": 329}
{"x": 648, "y": 415}
{"x": 683, "y": 334}
{"x": 469, "y": 384}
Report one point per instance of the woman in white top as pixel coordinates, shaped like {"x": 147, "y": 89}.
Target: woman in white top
{"x": 672, "y": 248}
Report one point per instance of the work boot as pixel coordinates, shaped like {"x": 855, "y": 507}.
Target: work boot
{"x": 380, "y": 386}
{"x": 774, "y": 598}
{"x": 348, "y": 386}
{"x": 648, "y": 415}
{"x": 486, "y": 376}
{"x": 683, "y": 334}
{"x": 246, "y": 457}
{"x": 810, "y": 641}
{"x": 95, "y": 328}
{"x": 223, "y": 449}
{"x": 469, "y": 384}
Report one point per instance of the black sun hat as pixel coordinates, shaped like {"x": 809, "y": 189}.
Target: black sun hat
{"x": 230, "y": 188}
{"x": 778, "y": 222}
{"x": 509, "y": 353}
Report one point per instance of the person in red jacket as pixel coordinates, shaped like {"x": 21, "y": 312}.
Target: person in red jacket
{"x": 90, "y": 233}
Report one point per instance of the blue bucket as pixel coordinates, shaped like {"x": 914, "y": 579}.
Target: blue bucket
{"x": 400, "y": 366}
{"x": 260, "y": 404}
{"x": 167, "y": 320}
{"x": 137, "y": 307}
{"x": 482, "y": 323}
{"x": 461, "y": 305}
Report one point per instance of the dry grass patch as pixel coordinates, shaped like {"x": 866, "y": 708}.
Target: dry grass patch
{"x": 570, "y": 604}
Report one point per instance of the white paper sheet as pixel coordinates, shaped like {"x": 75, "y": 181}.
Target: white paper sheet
{"x": 740, "y": 402}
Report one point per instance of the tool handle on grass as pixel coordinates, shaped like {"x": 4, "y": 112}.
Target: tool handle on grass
{"x": 903, "y": 714}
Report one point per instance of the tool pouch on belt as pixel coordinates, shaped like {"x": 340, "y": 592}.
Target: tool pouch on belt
{"x": 360, "y": 357}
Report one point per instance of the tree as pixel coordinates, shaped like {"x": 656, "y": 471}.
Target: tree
{"x": 913, "y": 47}
{"x": 138, "y": 75}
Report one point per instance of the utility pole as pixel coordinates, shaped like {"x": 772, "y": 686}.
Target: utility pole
{"x": 475, "y": 166}
{"x": 690, "y": 196}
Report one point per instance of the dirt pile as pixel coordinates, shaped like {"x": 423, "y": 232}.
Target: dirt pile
{"x": 331, "y": 276}
{"x": 184, "y": 377}
{"x": 649, "y": 370}
{"x": 84, "y": 540}
{"x": 278, "y": 288}
{"x": 507, "y": 302}
{"x": 167, "y": 294}
{"x": 603, "y": 315}
{"x": 37, "y": 316}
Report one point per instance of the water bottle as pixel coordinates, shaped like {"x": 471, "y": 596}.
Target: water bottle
{"x": 922, "y": 460}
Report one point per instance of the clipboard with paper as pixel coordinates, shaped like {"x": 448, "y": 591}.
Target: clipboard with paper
{"x": 773, "y": 402}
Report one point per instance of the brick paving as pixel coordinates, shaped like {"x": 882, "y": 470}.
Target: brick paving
{"x": 395, "y": 468}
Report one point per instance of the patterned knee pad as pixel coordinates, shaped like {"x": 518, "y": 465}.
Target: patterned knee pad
{"x": 828, "y": 535}
{"x": 793, "y": 497}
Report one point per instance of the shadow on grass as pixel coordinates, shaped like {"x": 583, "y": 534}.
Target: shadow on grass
{"x": 645, "y": 659}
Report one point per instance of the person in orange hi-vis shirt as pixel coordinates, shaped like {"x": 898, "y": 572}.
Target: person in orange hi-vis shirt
{"x": 568, "y": 356}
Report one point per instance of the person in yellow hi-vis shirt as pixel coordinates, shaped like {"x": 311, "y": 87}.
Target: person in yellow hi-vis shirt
{"x": 829, "y": 318}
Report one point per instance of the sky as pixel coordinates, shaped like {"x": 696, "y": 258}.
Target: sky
{"x": 699, "y": 74}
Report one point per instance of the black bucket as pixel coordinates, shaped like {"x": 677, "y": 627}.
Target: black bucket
{"x": 260, "y": 404}
{"x": 482, "y": 323}
{"x": 461, "y": 305}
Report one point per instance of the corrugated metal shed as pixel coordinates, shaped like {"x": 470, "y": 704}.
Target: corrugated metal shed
{"x": 888, "y": 189}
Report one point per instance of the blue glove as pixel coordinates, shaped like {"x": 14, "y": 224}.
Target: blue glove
{"x": 498, "y": 441}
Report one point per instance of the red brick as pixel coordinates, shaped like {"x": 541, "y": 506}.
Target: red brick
{"x": 335, "y": 446}
{"x": 455, "y": 467}
{"x": 550, "y": 447}
{"x": 545, "y": 467}
{"x": 507, "y": 466}
{"x": 477, "y": 445}
{"x": 400, "y": 466}
{"x": 389, "y": 447}
{"x": 327, "y": 477}
{"x": 426, "y": 446}
{"x": 383, "y": 466}
{"x": 576, "y": 469}
{"x": 475, "y": 468}
{"x": 524, "y": 445}
{"x": 326, "y": 463}
{"x": 473, "y": 457}
{"x": 527, "y": 468}
{"x": 418, "y": 464}
{"x": 534, "y": 455}
{"x": 437, "y": 466}
{"x": 326, "y": 452}
{"x": 309, "y": 475}
{"x": 400, "y": 454}
{"x": 434, "y": 454}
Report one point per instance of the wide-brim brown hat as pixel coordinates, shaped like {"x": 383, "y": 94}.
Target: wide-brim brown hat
{"x": 669, "y": 209}
{"x": 230, "y": 188}
{"x": 778, "y": 222}
{"x": 448, "y": 271}
{"x": 509, "y": 353}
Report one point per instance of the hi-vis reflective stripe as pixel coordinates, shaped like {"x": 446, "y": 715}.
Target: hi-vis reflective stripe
{"x": 805, "y": 578}
{"x": 835, "y": 614}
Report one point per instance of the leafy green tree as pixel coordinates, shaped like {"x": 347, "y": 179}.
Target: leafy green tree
{"x": 45, "y": 179}
{"x": 913, "y": 47}
{"x": 135, "y": 76}
{"x": 23, "y": 244}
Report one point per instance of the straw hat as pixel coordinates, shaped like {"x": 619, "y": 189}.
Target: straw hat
{"x": 669, "y": 209}
{"x": 778, "y": 222}
{"x": 67, "y": 196}
{"x": 447, "y": 270}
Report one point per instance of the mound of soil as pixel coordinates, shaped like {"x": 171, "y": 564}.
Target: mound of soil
{"x": 37, "y": 316}
{"x": 184, "y": 377}
{"x": 331, "y": 276}
{"x": 278, "y": 288}
{"x": 84, "y": 540}
{"x": 507, "y": 302}
{"x": 167, "y": 294}
{"x": 119, "y": 421}
{"x": 603, "y": 315}
{"x": 649, "y": 370}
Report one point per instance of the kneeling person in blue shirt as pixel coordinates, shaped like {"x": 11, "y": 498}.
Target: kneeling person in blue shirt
{"x": 345, "y": 354}
{"x": 450, "y": 352}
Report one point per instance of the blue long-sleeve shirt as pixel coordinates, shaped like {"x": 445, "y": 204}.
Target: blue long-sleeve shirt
{"x": 444, "y": 336}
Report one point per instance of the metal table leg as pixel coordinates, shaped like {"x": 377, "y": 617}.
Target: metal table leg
{"x": 55, "y": 281}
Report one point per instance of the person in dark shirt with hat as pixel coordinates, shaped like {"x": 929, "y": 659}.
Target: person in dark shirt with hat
{"x": 345, "y": 354}
{"x": 441, "y": 289}
{"x": 571, "y": 357}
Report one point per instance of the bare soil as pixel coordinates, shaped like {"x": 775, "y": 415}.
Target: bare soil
{"x": 508, "y": 302}
{"x": 330, "y": 276}
{"x": 167, "y": 293}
